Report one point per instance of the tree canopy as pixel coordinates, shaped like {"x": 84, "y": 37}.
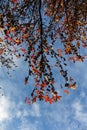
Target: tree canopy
{"x": 41, "y": 30}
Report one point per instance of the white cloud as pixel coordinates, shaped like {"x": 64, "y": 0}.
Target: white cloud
{"x": 4, "y": 109}
{"x": 35, "y": 110}
{"x": 80, "y": 115}
{"x": 10, "y": 111}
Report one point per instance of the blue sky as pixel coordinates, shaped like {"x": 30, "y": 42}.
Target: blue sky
{"x": 68, "y": 114}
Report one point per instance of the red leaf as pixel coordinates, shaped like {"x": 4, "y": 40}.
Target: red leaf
{"x": 26, "y": 80}
{"x": 50, "y": 101}
{"x": 66, "y": 91}
{"x": 43, "y": 85}
{"x": 46, "y": 98}
{"x": 84, "y": 45}
{"x": 1, "y": 51}
{"x": 15, "y": 1}
{"x": 27, "y": 100}
{"x": 23, "y": 50}
{"x": 71, "y": 59}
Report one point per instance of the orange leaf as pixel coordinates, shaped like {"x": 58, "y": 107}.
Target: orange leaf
{"x": 25, "y": 36}
{"x": 66, "y": 91}
{"x": 43, "y": 85}
{"x": 50, "y": 101}
{"x": 45, "y": 50}
{"x": 23, "y": 50}
{"x": 7, "y": 24}
{"x": 17, "y": 41}
{"x": 78, "y": 44}
{"x": 46, "y": 98}
{"x": 38, "y": 30}
{"x": 67, "y": 49}
{"x": 73, "y": 86}
{"x": 12, "y": 29}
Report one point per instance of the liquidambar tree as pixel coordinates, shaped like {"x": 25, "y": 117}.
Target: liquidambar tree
{"x": 43, "y": 31}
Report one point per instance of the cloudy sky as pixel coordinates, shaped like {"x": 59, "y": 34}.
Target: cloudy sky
{"x": 68, "y": 114}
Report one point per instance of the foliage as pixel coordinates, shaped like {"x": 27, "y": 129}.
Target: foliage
{"x": 41, "y": 30}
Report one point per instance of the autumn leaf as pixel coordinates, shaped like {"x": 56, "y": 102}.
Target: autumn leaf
{"x": 43, "y": 85}
{"x": 84, "y": 45}
{"x": 23, "y": 50}
{"x": 66, "y": 91}
{"x": 34, "y": 100}
{"x": 1, "y": 51}
{"x": 59, "y": 97}
{"x": 36, "y": 79}
{"x": 67, "y": 49}
{"x": 15, "y": 1}
{"x": 52, "y": 82}
{"x": 56, "y": 37}
{"x": 79, "y": 58}
{"x": 13, "y": 29}
{"x": 57, "y": 18}
{"x": 25, "y": 36}
{"x": 73, "y": 86}
{"x": 1, "y": 40}
{"x": 71, "y": 59}
{"x": 54, "y": 93}
{"x": 46, "y": 98}
{"x": 26, "y": 80}
{"x": 17, "y": 41}
{"x": 7, "y": 24}
{"x": 10, "y": 39}
{"x": 50, "y": 100}
{"x": 46, "y": 50}
{"x": 18, "y": 56}
{"x": 56, "y": 98}
{"x": 60, "y": 52}
{"x": 78, "y": 44}
{"x": 38, "y": 30}
{"x": 27, "y": 100}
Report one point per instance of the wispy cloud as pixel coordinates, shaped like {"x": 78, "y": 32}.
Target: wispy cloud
{"x": 80, "y": 114}
{"x": 4, "y": 109}
{"x": 27, "y": 125}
